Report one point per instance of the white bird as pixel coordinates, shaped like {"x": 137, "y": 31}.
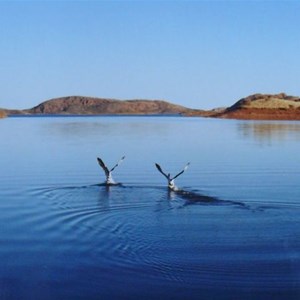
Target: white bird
{"x": 109, "y": 179}
{"x": 171, "y": 184}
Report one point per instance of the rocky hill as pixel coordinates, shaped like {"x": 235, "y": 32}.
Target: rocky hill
{"x": 263, "y": 107}
{"x": 99, "y": 106}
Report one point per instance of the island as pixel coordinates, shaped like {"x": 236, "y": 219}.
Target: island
{"x": 254, "y": 107}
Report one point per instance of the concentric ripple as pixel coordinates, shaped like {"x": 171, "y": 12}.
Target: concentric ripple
{"x": 142, "y": 236}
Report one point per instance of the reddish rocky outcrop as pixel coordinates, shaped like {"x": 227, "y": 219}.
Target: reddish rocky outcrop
{"x": 263, "y": 107}
{"x": 2, "y": 114}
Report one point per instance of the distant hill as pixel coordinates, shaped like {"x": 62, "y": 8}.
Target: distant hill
{"x": 98, "y": 106}
{"x": 254, "y": 107}
{"x": 263, "y": 107}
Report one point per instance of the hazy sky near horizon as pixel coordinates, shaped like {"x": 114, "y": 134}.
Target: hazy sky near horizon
{"x": 201, "y": 54}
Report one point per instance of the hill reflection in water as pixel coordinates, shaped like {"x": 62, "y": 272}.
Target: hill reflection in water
{"x": 266, "y": 132}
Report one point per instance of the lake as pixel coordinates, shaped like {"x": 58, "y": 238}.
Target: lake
{"x": 231, "y": 232}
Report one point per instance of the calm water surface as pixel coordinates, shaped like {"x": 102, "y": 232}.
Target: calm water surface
{"x": 233, "y": 232}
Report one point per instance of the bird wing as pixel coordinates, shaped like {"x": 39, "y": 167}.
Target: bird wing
{"x": 186, "y": 166}
{"x": 161, "y": 171}
{"x": 103, "y": 166}
{"x": 118, "y": 163}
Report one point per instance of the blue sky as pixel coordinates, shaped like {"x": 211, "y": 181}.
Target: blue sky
{"x": 201, "y": 54}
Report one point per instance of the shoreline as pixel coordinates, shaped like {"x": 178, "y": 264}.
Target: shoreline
{"x": 241, "y": 118}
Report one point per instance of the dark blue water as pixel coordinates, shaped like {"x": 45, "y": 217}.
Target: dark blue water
{"x": 232, "y": 232}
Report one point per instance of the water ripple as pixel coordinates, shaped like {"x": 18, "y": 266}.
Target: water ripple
{"x": 186, "y": 237}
